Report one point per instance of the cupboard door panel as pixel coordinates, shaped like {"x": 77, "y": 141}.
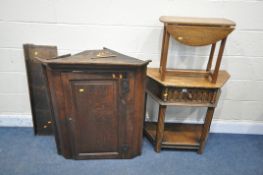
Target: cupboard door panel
{"x": 93, "y": 116}
{"x": 96, "y": 118}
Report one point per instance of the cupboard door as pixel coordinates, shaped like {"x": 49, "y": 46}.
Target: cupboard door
{"x": 92, "y": 113}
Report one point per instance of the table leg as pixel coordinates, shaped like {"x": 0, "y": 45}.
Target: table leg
{"x": 206, "y": 128}
{"x": 210, "y": 61}
{"x": 161, "y": 60}
{"x": 145, "y": 105}
{"x": 164, "y": 55}
{"x": 218, "y": 61}
{"x": 160, "y": 128}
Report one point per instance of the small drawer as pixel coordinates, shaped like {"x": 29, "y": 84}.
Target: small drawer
{"x": 183, "y": 95}
{"x": 189, "y": 95}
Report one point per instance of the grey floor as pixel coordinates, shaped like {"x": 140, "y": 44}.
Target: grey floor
{"x": 23, "y": 153}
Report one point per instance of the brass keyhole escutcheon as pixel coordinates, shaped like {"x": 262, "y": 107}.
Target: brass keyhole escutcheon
{"x": 121, "y": 76}
{"x": 113, "y": 76}
{"x": 180, "y": 38}
{"x": 35, "y": 53}
{"x": 165, "y": 94}
{"x": 81, "y": 90}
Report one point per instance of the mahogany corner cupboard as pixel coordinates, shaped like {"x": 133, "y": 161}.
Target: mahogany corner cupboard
{"x": 98, "y": 104}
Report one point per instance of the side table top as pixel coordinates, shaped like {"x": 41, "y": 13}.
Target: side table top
{"x": 191, "y": 21}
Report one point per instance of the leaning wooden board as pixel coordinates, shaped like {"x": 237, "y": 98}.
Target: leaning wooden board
{"x": 37, "y": 84}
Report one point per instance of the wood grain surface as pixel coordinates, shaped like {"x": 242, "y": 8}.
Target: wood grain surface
{"x": 188, "y": 81}
{"x": 92, "y": 57}
{"x": 197, "y": 21}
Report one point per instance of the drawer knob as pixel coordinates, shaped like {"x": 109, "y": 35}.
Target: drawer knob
{"x": 184, "y": 90}
{"x": 190, "y": 96}
{"x": 81, "y": 90}
{"x": 165, "y": 94}
{"x": 113, "y": 76}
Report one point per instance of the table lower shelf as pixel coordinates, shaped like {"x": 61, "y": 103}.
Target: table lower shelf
{"x": 176, "y": 135}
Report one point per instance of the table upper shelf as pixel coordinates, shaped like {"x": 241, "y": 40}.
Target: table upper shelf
{"x": 181, "y": 80}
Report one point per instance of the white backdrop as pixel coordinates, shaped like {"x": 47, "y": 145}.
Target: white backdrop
{"x": 133, "y": 27}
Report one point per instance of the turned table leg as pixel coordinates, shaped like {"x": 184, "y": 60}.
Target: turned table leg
{"x": 206, "y": 128}
{"x": 160, "y": 128}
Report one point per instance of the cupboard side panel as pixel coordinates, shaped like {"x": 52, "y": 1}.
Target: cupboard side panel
{"x": 59, "y": 119}
{"x": 139, "y": 108}
{"x": 126, "y": 113}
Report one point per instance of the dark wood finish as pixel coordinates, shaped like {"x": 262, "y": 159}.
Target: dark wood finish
{"x": 98, "y": 104}
{"x": 181, "y": 92}
{"x": 145, "y": 105}
{"x": 37, "y": 84}
{"x": 195, "y": 32}
{"x": 93, "y": 58}
{"x": 98, "y": 115}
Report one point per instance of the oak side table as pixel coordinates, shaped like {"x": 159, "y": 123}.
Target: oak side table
{"x": 193, "y": 88}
